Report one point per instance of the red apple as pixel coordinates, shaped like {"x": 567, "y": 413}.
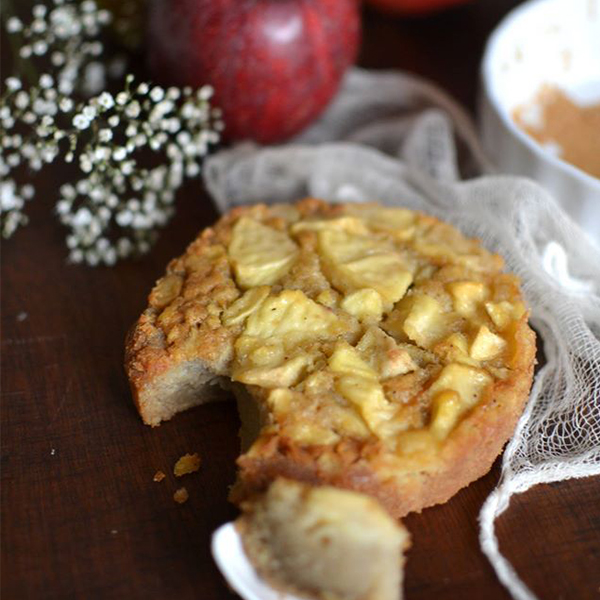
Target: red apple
{"x": 414, "y": 7}
{"x": 274, "y": 64}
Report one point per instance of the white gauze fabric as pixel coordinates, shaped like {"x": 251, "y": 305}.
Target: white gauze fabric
{"x": 394, "y": 138}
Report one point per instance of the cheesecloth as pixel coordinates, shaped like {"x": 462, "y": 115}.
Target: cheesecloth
{"x": 397, "y": 139}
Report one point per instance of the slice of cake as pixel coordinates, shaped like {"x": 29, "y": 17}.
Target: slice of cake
{"x": 374, "y": 349}
{"x": 324, "y": 542}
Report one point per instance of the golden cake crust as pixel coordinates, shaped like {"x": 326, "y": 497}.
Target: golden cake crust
{"x": 197, "y": 331}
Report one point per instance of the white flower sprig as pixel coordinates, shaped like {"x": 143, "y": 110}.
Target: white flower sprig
{"x": 118, "y": 205}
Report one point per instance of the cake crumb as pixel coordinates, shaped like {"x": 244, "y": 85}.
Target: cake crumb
{"x": 181, "y": 495}
{"x": 158, "y": 476}
{"x": 188, "y": 463}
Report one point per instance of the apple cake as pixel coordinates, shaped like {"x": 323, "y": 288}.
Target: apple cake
{"x": 324, "y": 542}
{"x": 370, "y": 348}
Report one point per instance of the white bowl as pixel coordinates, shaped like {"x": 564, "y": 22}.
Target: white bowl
{"x": 554, "y": 42}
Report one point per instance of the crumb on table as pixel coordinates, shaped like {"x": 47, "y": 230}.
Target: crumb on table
{"x": 188, "y": 463}
{"x": 158, "y": 476}
{"x": 181, "y": 495}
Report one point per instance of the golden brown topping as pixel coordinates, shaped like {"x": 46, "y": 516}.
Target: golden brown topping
{"x": 345, "y": 323}
{"x": 165, "y": 291}
{"x": 354, "y": 320}
{"x": 158, "y": 476}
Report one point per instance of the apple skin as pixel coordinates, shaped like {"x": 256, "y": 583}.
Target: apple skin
{"x": 274, "y": 64}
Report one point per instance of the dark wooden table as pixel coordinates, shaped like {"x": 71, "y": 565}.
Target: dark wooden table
{"x": 81, "y": 515}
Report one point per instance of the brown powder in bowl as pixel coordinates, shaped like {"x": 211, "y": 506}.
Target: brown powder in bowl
{"x": 562, "y": 126}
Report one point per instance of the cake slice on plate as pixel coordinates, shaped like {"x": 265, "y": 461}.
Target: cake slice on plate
{"x": 324, "y": 542}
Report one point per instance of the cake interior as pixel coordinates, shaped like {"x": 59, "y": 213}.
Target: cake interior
{"x": 324, "y": 542}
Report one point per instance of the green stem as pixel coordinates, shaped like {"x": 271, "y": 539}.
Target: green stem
{"x": 25, "y": 65}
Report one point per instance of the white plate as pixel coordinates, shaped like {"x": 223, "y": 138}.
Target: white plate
{"x": 233, "y": 563}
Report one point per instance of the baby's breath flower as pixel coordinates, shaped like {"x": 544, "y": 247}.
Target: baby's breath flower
{"x": 40, "y": 47}
{"x": 13, "y": 160}
{"x": 80, "y": 121}
{"x": 157, "y": 94}
{"x": 104, "y": 17}
{"x": 46, "y": 81}
{"x": 13, "y": 84}
{"x": 12, "y": 201}
{"x": 65, "y": 86}
{"x": 119, "y": 154}
{"x": 68, "y": 191}
{"x": 106, "y": 101}
{"x": 50, "y": 95}
{"x": 39, "y": 11}
{"x": 76, "y": 255}
{"x": 115, "y": 208}
{"x": 85, "y": 164}
{"x": 101, "y": 153}
{"x": 38, "y": 26}
{"x": 137, "y": 184}
{"x": 89, "y": 112}
{"x": 124, "y": 218}
{"x": 133, "y": 110}
{"x": 105, "y": 135}
{"x": 14, "y": 25}
{"x": 57, "y": 59}
{"x": 192, "y": 169}
{"x": 205, "y": 92}
{"x": 127, "y": 167}
{"x": 63, "y": 207}
{"x": 27, "y": 191}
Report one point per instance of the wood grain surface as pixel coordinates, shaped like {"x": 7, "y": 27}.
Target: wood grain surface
{"x": 81, "y": 515}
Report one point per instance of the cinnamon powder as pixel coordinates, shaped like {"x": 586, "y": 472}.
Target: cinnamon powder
{"x": 562, "y": 126}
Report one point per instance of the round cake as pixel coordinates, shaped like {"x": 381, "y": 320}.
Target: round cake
{"x": 370, "y": 348}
